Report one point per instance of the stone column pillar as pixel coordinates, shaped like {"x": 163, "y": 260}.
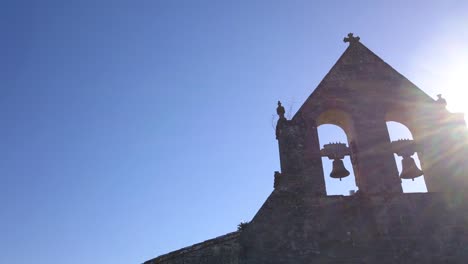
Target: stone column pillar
{"x": 301, "y": 163}
{"x": 377, "y": 169}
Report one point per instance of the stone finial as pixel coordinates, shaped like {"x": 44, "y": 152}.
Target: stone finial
{"x": 280, "y": 110}
{"x": 351, "y": 39}
{"x": 441, "y": 101}
{"x": 277, "y": 179}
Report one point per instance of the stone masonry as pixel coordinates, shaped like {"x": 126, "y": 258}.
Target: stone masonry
{"x": 299, "y": 223}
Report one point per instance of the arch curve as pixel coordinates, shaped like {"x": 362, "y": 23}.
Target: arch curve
{"x": 338, "y": 117}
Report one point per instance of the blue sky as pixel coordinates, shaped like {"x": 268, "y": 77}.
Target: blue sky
{"x": 130, "y": 129}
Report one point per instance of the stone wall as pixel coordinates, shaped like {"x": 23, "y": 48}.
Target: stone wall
{"x": 299, "y": 224}
{"x": 293, "y": 229}
{"x": 223, "y": 249}
{"x": 397, "y": 228}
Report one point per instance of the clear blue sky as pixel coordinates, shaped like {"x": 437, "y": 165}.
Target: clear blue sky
{"x": 130, "y": 129}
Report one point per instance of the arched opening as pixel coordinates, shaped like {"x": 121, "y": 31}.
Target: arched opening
{"x": 397, "y": 131}
{"x": 331, "y": 133}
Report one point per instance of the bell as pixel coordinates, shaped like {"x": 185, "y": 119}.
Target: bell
{"x": 339, "y": 171}
{"x": 410, "y": 170}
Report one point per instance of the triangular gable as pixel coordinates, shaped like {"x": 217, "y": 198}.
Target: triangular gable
{"x": 360, "y": 67}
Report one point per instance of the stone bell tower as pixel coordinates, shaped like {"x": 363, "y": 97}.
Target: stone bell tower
{"x": 360, "y": 94}
{"x": 300, "y": 224}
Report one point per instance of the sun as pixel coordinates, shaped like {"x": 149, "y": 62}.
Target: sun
{"x": 442, "y": 67}
{"x": 454, "y": 80}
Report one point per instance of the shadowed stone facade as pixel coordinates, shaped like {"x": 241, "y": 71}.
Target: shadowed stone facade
{"x": 223, "y": 249}
{"x": 300, "y": 224}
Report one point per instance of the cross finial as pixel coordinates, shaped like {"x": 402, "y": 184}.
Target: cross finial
{"x": 351, "y": 39}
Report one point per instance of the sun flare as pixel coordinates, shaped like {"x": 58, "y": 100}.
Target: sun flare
{"x": 454, "y": 81}
{"x": 444, "y": 66}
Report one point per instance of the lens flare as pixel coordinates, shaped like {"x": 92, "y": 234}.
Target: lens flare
{"x": 441, "y": 64}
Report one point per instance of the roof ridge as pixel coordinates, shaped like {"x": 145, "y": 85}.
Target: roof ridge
{"x": 194, "y": 247}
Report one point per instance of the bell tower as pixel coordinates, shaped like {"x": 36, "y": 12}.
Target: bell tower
{"x": 299, "y": 224}
{"x": 360, "y": 94}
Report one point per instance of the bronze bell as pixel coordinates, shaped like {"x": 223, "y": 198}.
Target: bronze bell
{"x": 339, "y": 171}
{"x": 409, "y": 169}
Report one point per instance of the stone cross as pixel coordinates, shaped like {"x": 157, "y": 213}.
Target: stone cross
{"x": 351, "y": 39}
